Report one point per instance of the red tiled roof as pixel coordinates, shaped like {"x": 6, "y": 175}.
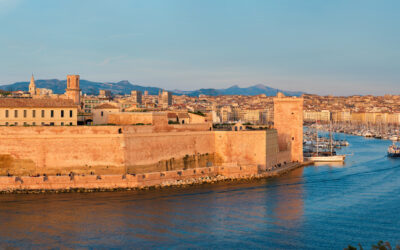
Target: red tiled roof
{"x": 183, "y": 115}
{"x": 106, "y": 106}
{"x": 171, "y": 115}
{"x": 36, "y": 103}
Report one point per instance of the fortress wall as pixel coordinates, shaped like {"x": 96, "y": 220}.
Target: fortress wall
{"x": 272, "y": 148}
{"x": 64, "y": 152}
{"x": 284, "y": 156}
{"x": 242, "y": 147}
{"x": 123, "y": 181}
{"x": 103, "y": 150}
{"x": 150, "y": 148}
{"x": 129, "y": 118}
{"x": 57, "y": 130}
{"x": 192, "y": 127}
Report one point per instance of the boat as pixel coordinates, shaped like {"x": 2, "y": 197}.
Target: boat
{"x": 393, "y": 151}
{"x": 324, "y": 156}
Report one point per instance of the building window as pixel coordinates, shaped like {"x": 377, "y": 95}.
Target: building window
{"x": 101, "y": 113}
{"x": 62, "y": 124}
{"x": 42, "y": 123}
{"x": 15, "y": 113}
{"x": 16, "y": 123}
{"x": 70, "y": 113}
{"x": 62, "y": 113}
{"x": 7, "y": 114}
{"x": 70, "y": 123}
{"x": 33, "y": 113}
{"x": 25, "y": 124}
{"x": 51, "y": 113}
{"x": 42, "y": 113}
{"x": 25, "y": 113}
{"x": 51, "y": 123}
{"x": 33, "y": 123}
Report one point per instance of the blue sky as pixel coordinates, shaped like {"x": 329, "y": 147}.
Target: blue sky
{"x": 339, "y": 47}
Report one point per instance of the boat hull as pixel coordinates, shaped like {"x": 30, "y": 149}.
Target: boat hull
{"x": 333, "y": 158}
{"x": 393, "y": 155}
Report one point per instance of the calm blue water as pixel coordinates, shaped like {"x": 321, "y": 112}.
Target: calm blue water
{"x": 324, "y": 207}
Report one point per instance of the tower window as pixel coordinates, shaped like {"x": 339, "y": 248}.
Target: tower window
{"x": 15, "y": 113}
{"x": 51, "y": 113}
{"x": 70, "y": 113}
{"x": 42, "y": 113}
{"x": 102, "y": 113}
{"x": 7, "y": 113}
{"x": 33, "y": 113}
{"x": 62, "y": 113}
{"x": 25, "y": 113}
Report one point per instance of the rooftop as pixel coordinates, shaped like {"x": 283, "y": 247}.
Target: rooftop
{"x": 106, "y": 106}
{"x": 36, "y": 103}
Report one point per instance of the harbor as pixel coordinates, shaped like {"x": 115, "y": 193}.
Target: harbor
{"x": 310, "y": 207}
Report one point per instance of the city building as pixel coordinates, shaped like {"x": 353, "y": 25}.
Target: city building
{"x": 101, "y": 112}
{"x": 136, "y": 96}
{"x": 165, "y": 99}
{"x": 36, "y": 112}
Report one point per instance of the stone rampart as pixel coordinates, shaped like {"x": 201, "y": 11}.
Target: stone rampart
{"x": 115, "y": 149}
{"x": 189, "y": 176}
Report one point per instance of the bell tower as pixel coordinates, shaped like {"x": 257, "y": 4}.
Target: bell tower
{"x": 73, "y": 90}
{"x": 32, "y": 86}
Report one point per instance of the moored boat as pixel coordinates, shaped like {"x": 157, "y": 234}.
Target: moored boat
{"x": 326, "y": 158}
{"x": 393, "y": 151}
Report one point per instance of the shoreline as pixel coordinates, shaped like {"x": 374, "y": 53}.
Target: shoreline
{"x": 225, "y": 174}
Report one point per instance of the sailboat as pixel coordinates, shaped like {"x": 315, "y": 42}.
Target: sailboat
{"x": 325, "y": 156}
{"x": 394, "y": 150}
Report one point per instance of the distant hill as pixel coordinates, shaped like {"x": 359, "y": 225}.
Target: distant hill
{"x": 236, "y": 90}
{"x": 125, "y": 87}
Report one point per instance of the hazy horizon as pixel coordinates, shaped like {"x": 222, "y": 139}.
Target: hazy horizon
{"x": 339, "y": 48}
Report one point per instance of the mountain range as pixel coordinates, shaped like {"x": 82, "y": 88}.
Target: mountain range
{"x": 125, "y": 87}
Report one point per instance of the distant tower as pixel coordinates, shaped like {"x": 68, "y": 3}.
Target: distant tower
{"x": 136, "y": 96}
{"x": 165, "y": 99}
{"x": 32, "y": 86}
{"x": 73, "y": 90}
{"x": 288, "y": 121}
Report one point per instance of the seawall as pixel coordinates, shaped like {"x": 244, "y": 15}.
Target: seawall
{"x": 9, "y": 184}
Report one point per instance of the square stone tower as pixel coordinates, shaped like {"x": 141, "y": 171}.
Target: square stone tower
{"x": 288, "y": 121}
{"x": 73, "y": 90}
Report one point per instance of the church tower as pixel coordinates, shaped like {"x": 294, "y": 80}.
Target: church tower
{"x": 73, "y": 90}
{"x": 32, "y": 86}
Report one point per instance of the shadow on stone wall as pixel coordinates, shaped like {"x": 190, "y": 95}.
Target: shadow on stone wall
{"x": 12, "y": 166}
{"x": 187, "y": 162}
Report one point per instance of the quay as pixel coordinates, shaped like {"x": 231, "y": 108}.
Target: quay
{"x": 92, "y": 183}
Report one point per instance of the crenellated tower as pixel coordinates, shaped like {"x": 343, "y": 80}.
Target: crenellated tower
{"x": 288, "y": 121}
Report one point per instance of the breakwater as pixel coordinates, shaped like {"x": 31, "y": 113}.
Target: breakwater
{"x": 82, "y": 183}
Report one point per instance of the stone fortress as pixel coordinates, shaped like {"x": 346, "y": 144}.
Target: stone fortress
{"x": 153, "y": 148}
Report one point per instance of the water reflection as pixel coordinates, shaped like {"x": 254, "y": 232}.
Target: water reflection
{"x": 327, "y": 206}
{"x": 330, "y": 164}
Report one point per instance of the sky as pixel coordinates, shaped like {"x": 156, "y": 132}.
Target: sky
{"x": 340, "y": 47}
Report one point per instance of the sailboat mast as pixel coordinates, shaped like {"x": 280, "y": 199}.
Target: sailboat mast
{"x": 330, "y": 137}
{"x": 316, "y": 129}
